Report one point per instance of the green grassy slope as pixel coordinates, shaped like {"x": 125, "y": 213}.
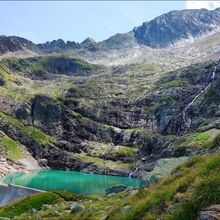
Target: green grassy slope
{"x": 190, "y": 187}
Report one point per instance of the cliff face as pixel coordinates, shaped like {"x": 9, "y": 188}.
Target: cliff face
{"x": 169, "y": 28}
{"x": 12, "y": 44}
{"x": 73, "y": 115}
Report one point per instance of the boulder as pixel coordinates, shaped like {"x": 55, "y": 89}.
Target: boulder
{"x": 115, "y": 189}
{"x": 126, "y": 207}
{"x": 215, "y": 208}
{"x": 147, "y": 166}
{"x": 76, "y": 207}
{"x": 111, "y": 194}
{"x": 32, "y": 211}
{"x": 104, "y": 217}
{"x": 130, "y": 189}
{"x": 171, "y": 208}
{"x": 210, "y": 213}
{"x": 55, "y": 214}
{"x": 45, "y": 207}
{"x": 43, "y": 162}
{"x": 108, "y": 207}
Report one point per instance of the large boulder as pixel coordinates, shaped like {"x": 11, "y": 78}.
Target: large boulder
{"x": 115, "y": 189}
{"x": 163, "y": 167}
{"x": 76, "y": 207}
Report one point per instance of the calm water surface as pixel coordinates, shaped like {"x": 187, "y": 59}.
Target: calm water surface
{"x": 77, "y": 182}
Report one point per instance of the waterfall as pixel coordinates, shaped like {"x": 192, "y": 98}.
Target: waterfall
{"x": 184, "y": 113}
{"x": 131, "y": 173}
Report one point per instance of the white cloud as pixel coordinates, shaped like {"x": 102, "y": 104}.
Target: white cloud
{"x": 202, "y": 4}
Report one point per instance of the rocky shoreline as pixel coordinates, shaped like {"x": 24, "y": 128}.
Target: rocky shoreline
{"x": 27, "y": 165}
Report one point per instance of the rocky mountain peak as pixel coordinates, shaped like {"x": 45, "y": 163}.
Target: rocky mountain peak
{"x": 13, "y": 43}
{"x": 171, "y": 27}
{"x": 90, "y": 44}
{"x": 163, "y": 31}
{"x": 58, "y": 45}
{"x": 88, "y": 40}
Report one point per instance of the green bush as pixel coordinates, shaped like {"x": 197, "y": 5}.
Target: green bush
{"x": 207, "y": 191}
{"x": 185, "y": 211}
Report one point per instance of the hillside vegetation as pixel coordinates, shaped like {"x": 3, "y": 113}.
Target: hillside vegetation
{"x": 144, "y": 104}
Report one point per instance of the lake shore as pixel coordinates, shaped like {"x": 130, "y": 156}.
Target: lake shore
{"x": 26, "y": 165}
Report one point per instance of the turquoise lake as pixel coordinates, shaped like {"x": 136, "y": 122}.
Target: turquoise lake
{"x": 77, "y": 182}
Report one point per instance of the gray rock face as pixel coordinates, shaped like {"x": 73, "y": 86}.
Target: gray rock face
{"x": 12, "y": 43}
{"x": 56, "y": 45}
{"x": 46, "y": 111}
{"x": 177, "y": 25}
{"x": 91, "y": 44}
{"x": 168, "y": 29}
{"x": 65, "y": 119}
{"x": 43, "y": 162}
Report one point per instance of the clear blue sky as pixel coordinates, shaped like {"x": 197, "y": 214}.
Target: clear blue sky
{"x": 41, "y": 21}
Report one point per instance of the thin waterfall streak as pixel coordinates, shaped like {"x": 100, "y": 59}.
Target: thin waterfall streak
{"x": 130, "y": 175}
{"x": 198, "y": 95}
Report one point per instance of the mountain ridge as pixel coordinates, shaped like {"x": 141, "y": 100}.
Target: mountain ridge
{"x": 161, "y": 32}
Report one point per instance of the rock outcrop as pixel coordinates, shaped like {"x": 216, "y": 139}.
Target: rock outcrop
{"x": 210, "y": 213}
{"x": 174, "y": 26}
